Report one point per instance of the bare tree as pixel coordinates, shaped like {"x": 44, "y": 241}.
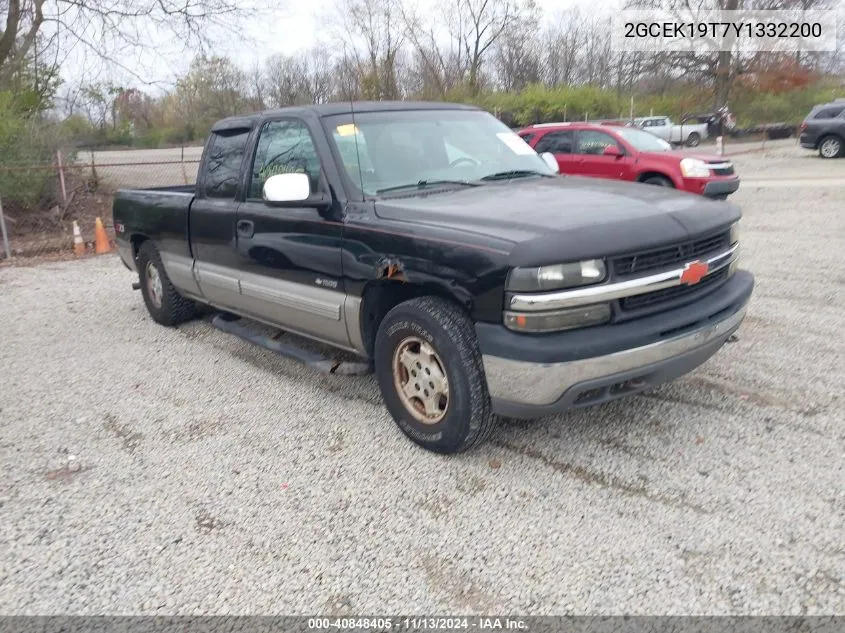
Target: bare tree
{"x": 298, "y": 79}
{"x": 479, "y": 24}
{"x": 212, "y": 89}
{"x": 518, "y": 61}
{"x": 484, "y": 23}
{"x": 110, "y": 28}
{"x": 564, "y": 36}
{"x": 373, "y": 34}
{"x": 437, "y": 61}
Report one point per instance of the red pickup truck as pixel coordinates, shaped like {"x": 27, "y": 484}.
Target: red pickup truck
{"x": 628, "y": 153}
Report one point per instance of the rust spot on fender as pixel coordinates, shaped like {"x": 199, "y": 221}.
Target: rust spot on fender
{"x": 390, "y": 268}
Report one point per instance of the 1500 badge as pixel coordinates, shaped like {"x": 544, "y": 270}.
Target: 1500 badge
{"x": 326, "y": 283}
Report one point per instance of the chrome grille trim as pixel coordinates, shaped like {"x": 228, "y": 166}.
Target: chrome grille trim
{"x": 612, "y": 291}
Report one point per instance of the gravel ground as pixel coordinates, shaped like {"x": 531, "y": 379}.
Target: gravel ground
{"x": 149, "y": 470}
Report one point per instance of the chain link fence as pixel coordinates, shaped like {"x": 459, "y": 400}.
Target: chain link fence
{"x": 39, "y": 203}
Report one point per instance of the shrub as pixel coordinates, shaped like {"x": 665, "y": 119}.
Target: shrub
{"x": 26, "y": 153}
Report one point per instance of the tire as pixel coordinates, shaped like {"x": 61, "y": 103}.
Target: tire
{"x": 164, "y": 303}
{"x": 693, "y": 139}
{"x": 660, "y": 181}
{"x": 412, "y": 330}
{"x": 831, "y": 146}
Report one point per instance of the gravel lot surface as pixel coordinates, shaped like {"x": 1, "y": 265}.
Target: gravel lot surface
{"x": 149, "y": 470}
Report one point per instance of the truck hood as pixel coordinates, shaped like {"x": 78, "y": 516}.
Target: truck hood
{"x": 540, "y": 220}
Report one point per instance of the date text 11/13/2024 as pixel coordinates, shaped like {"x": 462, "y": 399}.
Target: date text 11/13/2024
{"x": 416, "y": 624}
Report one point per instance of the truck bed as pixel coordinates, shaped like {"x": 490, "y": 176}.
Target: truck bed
{"x": 159, "y": 213}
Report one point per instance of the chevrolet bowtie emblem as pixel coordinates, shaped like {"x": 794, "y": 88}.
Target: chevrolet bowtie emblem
{"x": 694, "y": 272}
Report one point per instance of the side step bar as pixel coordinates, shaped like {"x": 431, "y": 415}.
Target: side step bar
{"x": 316, "y": 361}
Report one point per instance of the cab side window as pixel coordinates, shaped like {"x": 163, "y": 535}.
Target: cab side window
{"x": 223, "y": 163}
{"x": 556, "y": 143}
{"x": 284, "y": 147}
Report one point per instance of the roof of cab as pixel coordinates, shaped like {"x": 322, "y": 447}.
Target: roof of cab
{"x": 340, "y": 107}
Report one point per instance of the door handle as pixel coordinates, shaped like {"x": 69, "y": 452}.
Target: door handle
{"x": 245, "y": 228}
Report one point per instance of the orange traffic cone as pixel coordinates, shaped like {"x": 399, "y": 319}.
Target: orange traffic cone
{"x": 78, "y": 244}
{"x": 101, "y": 240}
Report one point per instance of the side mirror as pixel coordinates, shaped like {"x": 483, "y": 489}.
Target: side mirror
{"x": 551, "y": 161}
{"x": 612, "y": 150}
{"x": 293, "y": 190}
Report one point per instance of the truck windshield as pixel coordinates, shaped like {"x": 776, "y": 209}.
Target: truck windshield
{"x": 643, "y": 141}
{"x": 391, "y": 150}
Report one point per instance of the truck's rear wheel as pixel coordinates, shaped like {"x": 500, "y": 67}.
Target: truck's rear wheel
{"x": 431, "y": 375}
{"x": 693, "y": 139}
{"x": 163, "y": 301}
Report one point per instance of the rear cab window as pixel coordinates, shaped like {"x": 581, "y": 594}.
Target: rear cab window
{"x": 223, "y": 163}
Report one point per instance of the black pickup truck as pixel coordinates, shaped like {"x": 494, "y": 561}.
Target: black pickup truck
{"x": 437, "y": 247}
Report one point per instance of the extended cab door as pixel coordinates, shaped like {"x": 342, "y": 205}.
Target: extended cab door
{"x": 561, "y": 143}
{"x": 594, "y": 162}
{"x": 289, "y": 258}
{"x": 212, "y": 216}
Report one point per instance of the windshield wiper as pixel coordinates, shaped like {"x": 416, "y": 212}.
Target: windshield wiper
{"x": 515, "y": 173}
{"x": 422, "y": 184}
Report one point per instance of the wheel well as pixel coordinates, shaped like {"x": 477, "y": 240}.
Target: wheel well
{"x": 824, "y": 137}
{"x": 651, "y": 174}
{"x": 381, "y": 296}
{"x": 136, "y": 240}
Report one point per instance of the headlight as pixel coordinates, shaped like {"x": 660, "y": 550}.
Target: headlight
{"x": 694, "y": 168}
{"x": 734, "y": 233}
{"x": 558, "y": 276}
{"x": 557, "y": 320}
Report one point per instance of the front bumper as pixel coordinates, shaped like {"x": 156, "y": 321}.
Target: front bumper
{"x": 718, "y": 188}
{"x": 556, "y": 380}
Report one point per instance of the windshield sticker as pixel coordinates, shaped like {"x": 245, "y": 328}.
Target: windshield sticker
{"x": 515, "y": 143}
{"x": 347, "y": 129}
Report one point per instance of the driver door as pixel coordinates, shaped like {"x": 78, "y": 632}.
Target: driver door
{"x": 290, "y": 258}
{"x": 594, "y": 163}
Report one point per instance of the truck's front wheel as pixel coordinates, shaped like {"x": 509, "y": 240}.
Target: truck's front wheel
{"x": 431, "y": 375}
{"x": 163, "y": 301}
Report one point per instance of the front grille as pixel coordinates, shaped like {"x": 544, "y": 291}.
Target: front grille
{"x": 724, "y": 171}
{"x": 638, "y": 302}
{"x": 668, "y": 255}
